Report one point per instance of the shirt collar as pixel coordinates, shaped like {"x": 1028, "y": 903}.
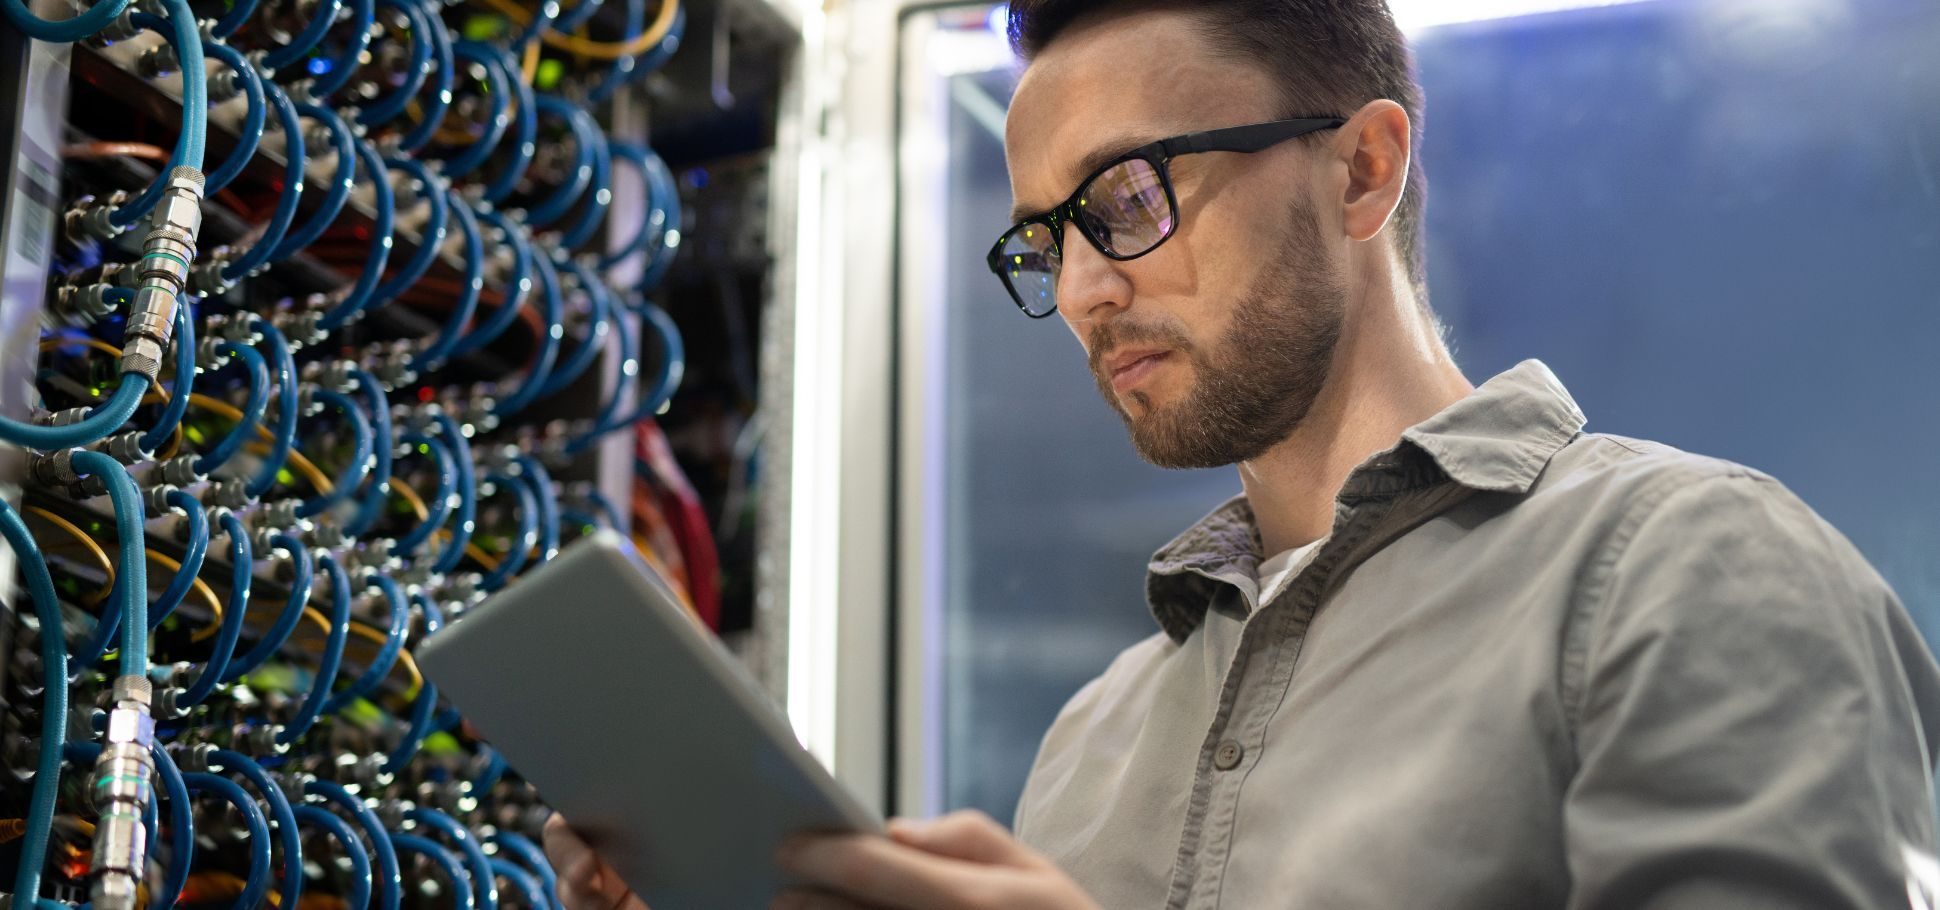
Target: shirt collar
{"x": 1496, "y": 439}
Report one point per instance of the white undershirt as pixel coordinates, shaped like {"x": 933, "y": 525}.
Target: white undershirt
{"x": 1275, "y": 572}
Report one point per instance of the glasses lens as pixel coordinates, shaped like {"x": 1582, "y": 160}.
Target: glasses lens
{"x": 1030, "y": 268}
{"x": 1126, "y": 209}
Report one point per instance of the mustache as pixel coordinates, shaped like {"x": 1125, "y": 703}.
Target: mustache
{"x": 1120, "y": 332}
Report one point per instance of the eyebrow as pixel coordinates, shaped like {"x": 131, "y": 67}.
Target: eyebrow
{"x": 1097, "y": 158}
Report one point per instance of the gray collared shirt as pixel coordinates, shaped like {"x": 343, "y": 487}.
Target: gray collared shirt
{"x": 1530, "y": 667}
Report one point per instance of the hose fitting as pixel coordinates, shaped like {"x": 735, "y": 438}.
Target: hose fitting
{"x": 168, "y": 253}
{"x": 122, "y": 789}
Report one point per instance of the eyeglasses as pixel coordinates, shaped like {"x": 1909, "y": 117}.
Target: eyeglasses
{"x": 1126, "y": 209}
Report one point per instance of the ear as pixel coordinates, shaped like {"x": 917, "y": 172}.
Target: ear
{"x": 1376, "y": 145}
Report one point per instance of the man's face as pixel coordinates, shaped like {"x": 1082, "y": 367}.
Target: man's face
{"x": 1212, "y": 347}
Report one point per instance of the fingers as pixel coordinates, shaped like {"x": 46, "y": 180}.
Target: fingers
{"x": 968, "y": 835}
{"x": 881, "y": 871}
{"x": 586, "y": 882}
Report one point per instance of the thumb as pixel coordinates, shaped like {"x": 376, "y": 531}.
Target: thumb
{"x": 968, "y": 835}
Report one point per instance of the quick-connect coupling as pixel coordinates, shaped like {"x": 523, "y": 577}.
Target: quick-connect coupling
{"x": 122, "y": 788}
{"x": 167, "y": 255}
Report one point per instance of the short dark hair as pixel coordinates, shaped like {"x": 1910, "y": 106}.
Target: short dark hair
{"x": 1330, "y": 56}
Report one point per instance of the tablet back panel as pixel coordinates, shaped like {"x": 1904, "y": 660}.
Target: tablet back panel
{"x": 639, "y": 727}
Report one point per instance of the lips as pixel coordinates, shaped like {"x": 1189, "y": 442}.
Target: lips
{"x": 1128, "y": 368}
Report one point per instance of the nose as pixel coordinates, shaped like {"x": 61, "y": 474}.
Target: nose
{"x": 1091, "y": 287}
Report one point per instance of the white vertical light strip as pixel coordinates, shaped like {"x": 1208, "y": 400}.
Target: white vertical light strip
{"x": 1415, "y": 15}
{"x": 815, "y": 519}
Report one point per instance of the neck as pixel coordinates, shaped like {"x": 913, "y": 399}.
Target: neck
{"x": 1390, "y": 372}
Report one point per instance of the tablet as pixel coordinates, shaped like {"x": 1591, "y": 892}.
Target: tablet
{"x": 638, "y": 726}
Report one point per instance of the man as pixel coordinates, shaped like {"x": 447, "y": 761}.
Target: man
{"x": 1447, "y": 650}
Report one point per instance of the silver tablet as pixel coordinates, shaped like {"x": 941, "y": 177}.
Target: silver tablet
{"x": 636, "y": 724}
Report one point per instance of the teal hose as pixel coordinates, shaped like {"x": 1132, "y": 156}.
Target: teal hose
{"x": 53, "y": 704}
{"x": 131, "y": 575}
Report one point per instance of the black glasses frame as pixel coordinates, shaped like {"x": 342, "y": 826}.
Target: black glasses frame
{"x": 1255, "y": 137}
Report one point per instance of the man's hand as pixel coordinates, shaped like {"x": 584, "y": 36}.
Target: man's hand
{"x": 586, "y": 882}
{"x": 962, "y": 861}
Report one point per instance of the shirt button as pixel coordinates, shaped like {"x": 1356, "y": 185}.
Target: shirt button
{"x": 1227, "y": 756}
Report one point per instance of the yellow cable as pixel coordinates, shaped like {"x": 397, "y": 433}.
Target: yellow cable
{"x": 529, "y": 63}
{"x": 91, "y": 545}
{"x": 298, "y": 460}
{"x": 411, "y": 498}
{"x": 91, "y": 343}
{"x": 663, "y": 22}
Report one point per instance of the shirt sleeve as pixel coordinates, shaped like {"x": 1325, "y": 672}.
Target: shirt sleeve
{"x": 1754, "y": 714}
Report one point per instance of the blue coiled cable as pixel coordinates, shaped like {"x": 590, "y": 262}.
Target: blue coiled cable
{"x": 357, "y": 468}
{"x": 461, "y": 531}
{"x": 382, "y": 228}
{"x": 598, "y": 198}
{"x": 360, "y": 875}
{"x": 178, "y": 397}
{"x": 499, "y": 92}
{"x": 541, "y": 481}
{"x": 535, "y": 896}
{"x": 434, "y": 618}
{"x": 283, "y": 434}
{"x": 626, "y": 69}
{"x": 372, "y": 502}
{"x": 181, "y": 830}
{"x": 474, "y": 855}
{"x": 294, "y": 155}
{"x": 440, "y": 501}
{"x": 363, "y": 15}
{"x": 606, "y": 508}
{"x": 127, "y": 609}
{"x": 518, "y": 288}
{"x": 306, "y": 40}
{"x": 256, "y": 882}
{"x": 542, "y": 20}
{"x": 664, "y": 243}
{"x": 292, "y": 609}
{"x": 388, "y": 884}
{"x": 524, "y": 139}
{"x": 62, "y": 31}
{"x": 441, "y": 74}
{"x": 253, "y": 119}
{"x": 528, "y": 531}
{"x": 586, "y": 134}
{"x": 493, "y": 771}
{"x": 194, "y": 551}
{"x": 582, "y": 357}
{"x": 422, "y": 711}
{"x": 461, "y": 889}
{"x": 105, "y": 419}
{"x": 279, "y": 811}
{"x": 429, "y": 190}
{"x": 389, "y": 105}
{"x": 53, "y": 701}
{"x": 673, "y": 365}
{"x": 380, "y": 666}
{"x": 533, "y": 858}
{"x": 185, "y": 36}
{"x": 472, "y": 255}
{"x": 581, "y": 12}
{"x": 333, "y": 654}
{"x": 656, "y": 215}
{"x": 340, "y": 186}
{"x": 238, "y": 14}
{"x": 241, "y": 561}
{"x": 256, "y": 374}
{"x": 551, "y": 318}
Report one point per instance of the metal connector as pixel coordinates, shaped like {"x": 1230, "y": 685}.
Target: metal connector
{"x": 123, "y": 786}
{"x": 83, "y": 306}
{"x": 181, "y": 471}
{"x": 168, "y": 252}
{"x": 124, "y": 447}
{"x": 55, "y": 469}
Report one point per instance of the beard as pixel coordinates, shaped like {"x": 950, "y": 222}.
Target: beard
{"x": 1253, "y": 386}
